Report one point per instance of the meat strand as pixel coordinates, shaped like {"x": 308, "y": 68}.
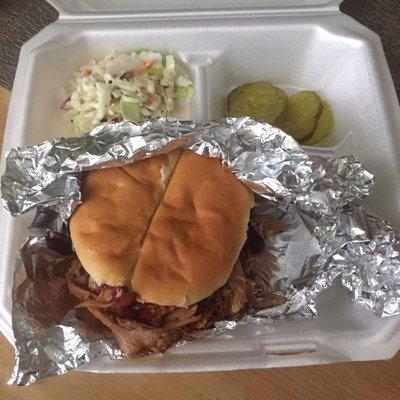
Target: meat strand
{"x": 134, "y": 339}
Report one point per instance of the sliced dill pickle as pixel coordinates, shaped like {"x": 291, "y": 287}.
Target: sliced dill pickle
{"x": 233, "y": 95}
{"x": 302, "y": 116}
{"x": 324, "y": 125}
{"x": 261, "y": 101}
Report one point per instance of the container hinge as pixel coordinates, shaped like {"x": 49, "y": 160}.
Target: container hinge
{"x": 199, "y": 14}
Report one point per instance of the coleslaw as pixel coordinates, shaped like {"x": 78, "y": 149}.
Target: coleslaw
{"x": 136, "y": 87}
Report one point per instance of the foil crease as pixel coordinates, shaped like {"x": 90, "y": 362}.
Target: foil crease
{"x": 331, "y": 236}
{"x": 270, "y": 162}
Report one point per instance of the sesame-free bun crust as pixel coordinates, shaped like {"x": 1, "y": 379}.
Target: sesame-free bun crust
{"x": 170, "y": 227}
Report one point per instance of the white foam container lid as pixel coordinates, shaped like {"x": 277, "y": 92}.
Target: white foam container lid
{"x": 294, "y": 44}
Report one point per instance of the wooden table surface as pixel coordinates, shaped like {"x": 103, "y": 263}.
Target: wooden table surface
{"x": 378, "y": 380}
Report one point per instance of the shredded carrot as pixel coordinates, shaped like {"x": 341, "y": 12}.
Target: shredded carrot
{"x": 86, "y": 72}
{"x": 150, "y": 98}
{"x": 146, "y": 64}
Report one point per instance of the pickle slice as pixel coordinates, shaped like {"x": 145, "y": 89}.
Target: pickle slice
{"x": 261, "y": 101}
{"x": 235, "y": 92}
{"x": 301, "y": 119}
{"x": 324, "y": 125}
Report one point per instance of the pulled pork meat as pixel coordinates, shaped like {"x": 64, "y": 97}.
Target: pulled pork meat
{"x": 138, "y": 328}
{"x": 143, "y": 328}
{"x": 133, "y": 338}
{"x": 227, "y": 301}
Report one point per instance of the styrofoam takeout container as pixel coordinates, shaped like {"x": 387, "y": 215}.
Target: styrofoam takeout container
{"x": 294, "y": 44}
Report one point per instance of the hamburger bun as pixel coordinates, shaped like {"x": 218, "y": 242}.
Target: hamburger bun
{"x": 170, "y": 227}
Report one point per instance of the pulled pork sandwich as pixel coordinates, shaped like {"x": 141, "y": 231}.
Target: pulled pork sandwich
{"x": 161, "y": 251}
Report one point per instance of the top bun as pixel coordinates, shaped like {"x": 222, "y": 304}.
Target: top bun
{"x": 169, "y": 227}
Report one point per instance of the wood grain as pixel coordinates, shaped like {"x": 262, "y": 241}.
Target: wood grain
{"x": 379, "y": 380}
{"x": 4, "y": 100}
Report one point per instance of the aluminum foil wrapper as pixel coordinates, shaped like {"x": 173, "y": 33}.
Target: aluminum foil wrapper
{"x": 331, "y": 235}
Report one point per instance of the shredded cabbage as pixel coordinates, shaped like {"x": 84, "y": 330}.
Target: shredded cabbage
{"x": 138, "y": 86}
